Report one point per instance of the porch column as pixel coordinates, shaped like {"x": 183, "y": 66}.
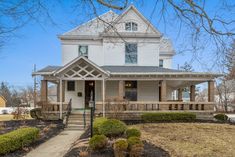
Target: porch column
{"x": 121, "y": 90}
{"x": 63, "y": 91}
{"x": 180, "y": 96}
{"x": 61, "y": 97}
{"x": 211, "y": 90}
{"x": 43, "y": 90}
{"x": 163, "y": 91}
{"x": 192, "y": 92}
{"x": 103, "y": 96}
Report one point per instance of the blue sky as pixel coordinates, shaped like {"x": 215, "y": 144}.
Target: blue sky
{"x": 38, "y": 43}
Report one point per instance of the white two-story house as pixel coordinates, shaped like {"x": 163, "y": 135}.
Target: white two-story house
{"x": 121, "y": 57}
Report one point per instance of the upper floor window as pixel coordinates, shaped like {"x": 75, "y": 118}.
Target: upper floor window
{"x": 131, "y": 53}
{"x": 161, "y": 63}
{"x": 83, "y": 50}
{"x": 131, "y": 26}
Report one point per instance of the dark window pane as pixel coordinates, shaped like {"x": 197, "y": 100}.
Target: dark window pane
{"x": 131, "y": 90}
{"x": 131, "y": 53}
{"x": 70, "y": 86}
{"x": 83, "y": 50}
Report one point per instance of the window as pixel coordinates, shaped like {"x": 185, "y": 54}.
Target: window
{"x": 131, "y": 90}
{"x": 131, "y": 53}
{"x": 83, "y": 50}
{"x": 70, "y": 86}
{"x": 161, "y": 63}
{"x": 131, "y": 26}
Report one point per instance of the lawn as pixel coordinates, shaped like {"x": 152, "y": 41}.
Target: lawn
{"x": 6, "y": 117}
{"x": 191, "y": 139}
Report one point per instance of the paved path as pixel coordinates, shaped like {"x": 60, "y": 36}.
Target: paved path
{"x": 56, "y": 146}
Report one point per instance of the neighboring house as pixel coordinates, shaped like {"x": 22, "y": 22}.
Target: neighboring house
{"x": 125, "y": 57}
{"x": 3, "y": 101}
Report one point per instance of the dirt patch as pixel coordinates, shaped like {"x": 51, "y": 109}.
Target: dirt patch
{"x": 191, "y": 139}
{"x": 81, "y": 145}
{"x": 48, "y": 129}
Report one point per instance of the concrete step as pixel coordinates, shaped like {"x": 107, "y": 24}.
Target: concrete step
{"x": 75, "y": 125}
{"x": 75, "y": 129}
{"x": 78, "y": 122}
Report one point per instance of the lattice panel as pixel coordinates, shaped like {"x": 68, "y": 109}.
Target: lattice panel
{"x": 82, "y": 70}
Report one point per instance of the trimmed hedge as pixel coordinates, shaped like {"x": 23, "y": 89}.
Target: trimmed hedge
{"x": 17, "y": 139}
{"x": 97, "y": 123}
{"x": 168, "y": 116}
{"x": 98, "y": 142}
{"x": 134, "y": 141}
{"x": 132, "y": 132}
{"x": 112, "y": 128}
{"x": 221, "y": 117}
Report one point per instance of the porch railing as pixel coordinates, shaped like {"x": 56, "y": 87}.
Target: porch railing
{"x": 54, "y": 107}
{"x": 154, "y": 106}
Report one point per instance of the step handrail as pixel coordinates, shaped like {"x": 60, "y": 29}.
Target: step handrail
{"x": 84, "y": 118}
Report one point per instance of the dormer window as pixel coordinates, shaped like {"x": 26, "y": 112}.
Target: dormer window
{"x": 131, "y": 26}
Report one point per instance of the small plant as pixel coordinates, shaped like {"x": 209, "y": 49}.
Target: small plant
{"x": 97, "y": 123}
{"x": 36, "y": 113}
{"x": 133, "y": 133}
{"x": 221, "y": 117}
{"x": 98, "y": 142}
{"x": 136, "y": 150}
{"x": 112, "y": 128}
{"x": 133, "y": 141}
{"x": 120, "y": 147}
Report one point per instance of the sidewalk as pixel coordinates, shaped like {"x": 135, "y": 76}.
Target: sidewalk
{"x": 56, "y": 146}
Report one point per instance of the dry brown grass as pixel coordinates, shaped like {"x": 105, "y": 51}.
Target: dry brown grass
{"x": 6, "y": 117}
{"x": 191, "y": 139}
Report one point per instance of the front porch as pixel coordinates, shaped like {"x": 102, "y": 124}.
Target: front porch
{"x": 124, "y": 89}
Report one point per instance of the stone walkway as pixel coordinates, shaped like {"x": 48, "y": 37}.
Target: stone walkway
{"x": 56, "y": 146}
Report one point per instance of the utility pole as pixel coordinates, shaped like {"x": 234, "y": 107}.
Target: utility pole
{"x": 34, "y": 87}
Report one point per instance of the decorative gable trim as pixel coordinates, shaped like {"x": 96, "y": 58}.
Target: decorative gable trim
{"x": 81, "y": 68}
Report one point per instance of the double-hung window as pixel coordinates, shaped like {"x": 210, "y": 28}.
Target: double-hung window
{"x": 83, "y": 50}
{"x": 131, "y": 53}
{"x": 161, "y": 63}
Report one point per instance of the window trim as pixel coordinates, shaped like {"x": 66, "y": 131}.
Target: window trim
{"x": 132, "y": 54}
{"x": 79, "y": 54}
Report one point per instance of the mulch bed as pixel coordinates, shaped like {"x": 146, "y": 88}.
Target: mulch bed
{"x": 48, "y": 129}
{"x": 150, "y": 150}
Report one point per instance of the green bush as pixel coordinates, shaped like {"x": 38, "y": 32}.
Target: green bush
{"x": 97, "y": 123}
{"x": 133, "y": 141}
{"x": 120, "y": 144}
{"x": 168, "y": 116}
{"x": 17, "y": 139}
{"x": 36, "y": 113}
{"x": 112, "y": 128}
{"x": 98, "y": 142}
{"x": 221, "y": 117}
{"x": 133, "y": 133}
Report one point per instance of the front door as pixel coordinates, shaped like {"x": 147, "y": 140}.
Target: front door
{"x": 89, "y": 91}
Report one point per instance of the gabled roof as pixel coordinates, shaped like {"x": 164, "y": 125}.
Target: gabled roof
{"x": 132, "y": 7}
{"x": 62, "y": 69}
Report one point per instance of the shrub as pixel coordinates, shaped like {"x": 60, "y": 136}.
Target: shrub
{"x": 112, "y": 128}
{"x": 133, "y": 133}
{"x": 36, "y": 113}
{"x": 97, "y": 123}
{"x": 133, "y": 141}
{"x": 120, "y": 147}
{"x": 98, "y": 142}
{"x": 221, "y": 117}
{"x": 168, "y": 116}
{"x": 17, "y": 139}
{"x": 136, "y": 150}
